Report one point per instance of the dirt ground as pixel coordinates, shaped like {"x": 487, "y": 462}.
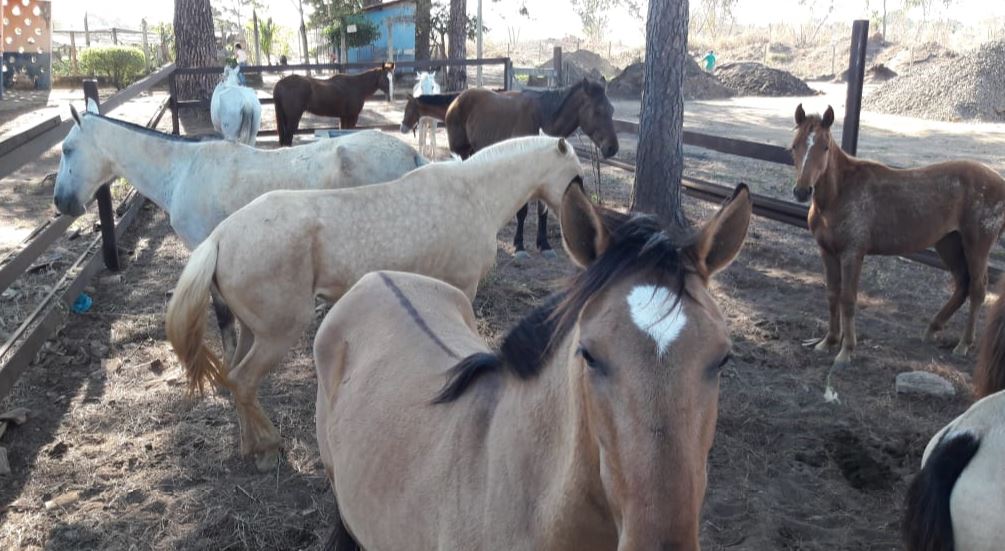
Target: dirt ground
{"x": 154, "y": 469}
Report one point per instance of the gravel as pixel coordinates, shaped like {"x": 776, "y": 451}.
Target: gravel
{"x": 756, "y": 79}
{"x": 697, "y": 83}
{"x": 967, "y": 88}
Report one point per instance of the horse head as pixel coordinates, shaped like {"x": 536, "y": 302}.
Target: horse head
{"x": 82, "y": 165}
{"x": 810, "y": 150}
{"x": 596, "y": 115}
{"x": 411, "y": 118}
{"x": 648, "y": 344}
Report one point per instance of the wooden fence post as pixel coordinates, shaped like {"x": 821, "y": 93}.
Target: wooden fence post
{"x": 856, "y": 77}
{"x": 508, "y": 75}
{"x": 146, "y": 46}
{"x": 558, "y": 66}
{"x": 173, "y": 103}
{"x": 73, "y": 52}
{"x": 109, "y": 247}
{"x": 87, "y": 33}
{"x": 115, "y": 37}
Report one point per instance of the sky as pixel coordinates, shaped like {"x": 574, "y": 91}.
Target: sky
{"x": 548, "y": 18}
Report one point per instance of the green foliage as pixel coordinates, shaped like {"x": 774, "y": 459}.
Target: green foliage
{"x": 329, "y": 12}
{"x": 267, "y": 38}
{"x": 366, "y": 31}
{"x": 593, "y": 13}
{"x": 121, "y": 64}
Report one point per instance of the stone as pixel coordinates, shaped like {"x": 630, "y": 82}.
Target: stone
{"x": 924, "y": 383}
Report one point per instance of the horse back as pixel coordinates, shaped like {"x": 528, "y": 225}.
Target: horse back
{"x": 485, "y": 117}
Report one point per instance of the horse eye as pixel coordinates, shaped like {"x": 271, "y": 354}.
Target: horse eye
{"x": 725, "y": 360}
{"x": 591, "y": 362}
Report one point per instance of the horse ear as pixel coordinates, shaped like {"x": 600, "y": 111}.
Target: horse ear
{"x": 74, "y": 114}
{"x": 583, "y": 231}
{"x": 800, "y": 115}
{"x": 721, "y": 237}
{"x": 828, "y": 119}
{"x": 92, "y": 106}
{"x": 563, "y": 147}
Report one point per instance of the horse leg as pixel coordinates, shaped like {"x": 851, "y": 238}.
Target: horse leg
{"x": 259, "y": 437}
{"x": 950, "y": 249}
{"x": 245, "y": 338}
{"x": 851, "y": 268}
{"x": 977, "y": 265}
{"x": 521, "y": 215}
{"x": 832, "y": 272}
{"x": 340, "y": 539}
{"x": 225, "y": 319}
{"x": 542, "y": 231}
{"x": 291, "y": 126}
{"x": 348, "y": 121}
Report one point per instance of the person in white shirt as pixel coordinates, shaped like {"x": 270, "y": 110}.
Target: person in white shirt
{"x": 242, "y": 61}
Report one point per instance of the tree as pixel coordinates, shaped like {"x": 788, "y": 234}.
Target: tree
{"x": 266, "y": 38}
{"x": 423, "y": 28}
{"x": 660, "y": 155}
{"x": 457, "y": 77}
{"x": 196, "y": 46}
{"x": 593, "y": 14}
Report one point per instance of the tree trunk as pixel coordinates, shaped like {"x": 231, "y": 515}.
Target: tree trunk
{"x": 660, "y": 155}
{"x": 423, "y": 28}
{"x": 195, "y": 46}
{"x": 457, "y": 77}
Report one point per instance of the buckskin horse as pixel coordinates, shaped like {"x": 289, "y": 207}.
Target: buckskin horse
{"x": 271, "y": 258}
{"x": 199, "y": 183}
{"x": 862, "y": 207}
{"x": 957, "y": 500}
{"x": 589, "y": 429}
{"x": 339, "y": 96}
{"x": 479, "y": 118}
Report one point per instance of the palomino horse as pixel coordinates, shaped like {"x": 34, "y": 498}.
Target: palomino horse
{"x": 862, "y": 207}
{"x": 235, "y": 110}
{"x": 339, "y": 96}
{"x": 957, "y": 501}
{"x": 271, "y": 258}
{"x": 589, "y": 429}
{"x": 479, "y": 118}
{"x": 199, "y": 183}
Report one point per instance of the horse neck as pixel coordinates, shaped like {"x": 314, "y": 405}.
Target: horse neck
{"x": 369, "y": 81}
{"x": 565, "y": 456}
{"x": 435, "y": 111}
{"x": 147, "y": 161}
{"x": 562, "y": 120}
{"x": 828, "y": 191}
{"x": 501, "y": 193}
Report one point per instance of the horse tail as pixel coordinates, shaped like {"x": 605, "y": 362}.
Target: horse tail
{"x": 928, "y": 524}
{"x": 989, "y": 377}
{"x": 246, "y": 134}
{"x": 277, "y": 97}
{"x": 185, "y": 323}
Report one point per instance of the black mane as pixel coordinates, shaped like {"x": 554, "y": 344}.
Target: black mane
{"x": 638, "y": 243}
{"x": 438, "y": 100}
{"x": 155, "y": 133}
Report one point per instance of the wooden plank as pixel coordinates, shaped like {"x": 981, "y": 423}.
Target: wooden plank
{"x": 424, "y": 64}
{"x": 731, "y": 146}
{"x": 28, "y": 134}
{"x": 137, "y": 88}
{"x": 32, "y": 150}
{"x": 53, "y": 230}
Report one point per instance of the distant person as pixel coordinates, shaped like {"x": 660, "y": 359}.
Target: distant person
{"x": 242, "y": 62}
{"x": 709, "y": 61}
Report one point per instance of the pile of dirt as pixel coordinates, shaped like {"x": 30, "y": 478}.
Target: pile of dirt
{"x": 880, "y": 73}
{"x": 581, "y": 63}
{"x": 757, "y": 79}
{"x": 968, "y": 87}
{"x": 697, "y": 83}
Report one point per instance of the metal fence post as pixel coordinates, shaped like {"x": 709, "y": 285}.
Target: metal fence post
{"x": 856, "y": 77}
{"x": 558, "y": 66}
{"x": 109, "y": 247}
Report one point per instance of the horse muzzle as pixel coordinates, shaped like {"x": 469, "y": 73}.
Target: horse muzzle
{"x": 405, "y": 128}
{"x": 68, "y": 205}
{"x": 610, "y": 150}
{"x": 802, "y": 194}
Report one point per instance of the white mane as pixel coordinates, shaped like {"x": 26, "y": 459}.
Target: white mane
{"x": 515, "y": 146}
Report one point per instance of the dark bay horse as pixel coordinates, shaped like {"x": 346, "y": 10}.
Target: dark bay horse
{"x": 957, "y": 500}
{"x": 339, "y": 96}
{"x": 588, "y": 429}
{"x": 866, "y": 208}
{"x": 479, "y": 118}
{"x": 430, "y": 105}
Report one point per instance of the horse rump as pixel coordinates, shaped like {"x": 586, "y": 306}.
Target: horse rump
{"x": 928, "y": 524}
{"x": 989, "y": 376}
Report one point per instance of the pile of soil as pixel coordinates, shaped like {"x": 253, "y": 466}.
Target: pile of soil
{"x": 578, "y": 65}
{"x": 757, "y": 79}
{"x": 697, "y": 83}
{"x": 880, "y": 73}
{"x": 968, "y": 87}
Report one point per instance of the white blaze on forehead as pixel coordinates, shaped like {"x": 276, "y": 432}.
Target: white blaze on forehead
{"x": 810, "y": 139}
{"x": 658, "y": 313}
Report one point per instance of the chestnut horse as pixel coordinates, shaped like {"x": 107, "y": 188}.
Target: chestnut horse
{"x": 479, "y": 118}
{"x": 957, "y": 501}
{"x": 863, "y": 207}
{"x": 589, "y": 429}
{"x": 270, "y": 259}
{"x": 339, "y": 96}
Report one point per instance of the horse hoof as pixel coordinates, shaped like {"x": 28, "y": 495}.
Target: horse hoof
{"x": 961, "y": 350}
{"x": 811, "y": 343}
{"x": 550, "y": 254}
{"x": 521, "y": 256}
{"x": 931, "y": 335}
{"x": 841, "y": 363}
{"x": 267, "y": 460}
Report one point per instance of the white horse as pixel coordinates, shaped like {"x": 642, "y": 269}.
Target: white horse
{"x": 235, "y": 109}
{"x": 199, "y": 183}
{"x": 426, "y": 85}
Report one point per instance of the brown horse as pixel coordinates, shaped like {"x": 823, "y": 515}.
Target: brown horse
{"x": 431, "y": 105}
{"x": 589, "y": 429}
{"x": 862, "y": 207}
{"x": 339, "y": 96}
{"x": 479, "y": 118}
{"x": 957, "y": 500}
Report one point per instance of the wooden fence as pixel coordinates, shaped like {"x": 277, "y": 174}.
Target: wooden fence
{"x": 17, "y": 352}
